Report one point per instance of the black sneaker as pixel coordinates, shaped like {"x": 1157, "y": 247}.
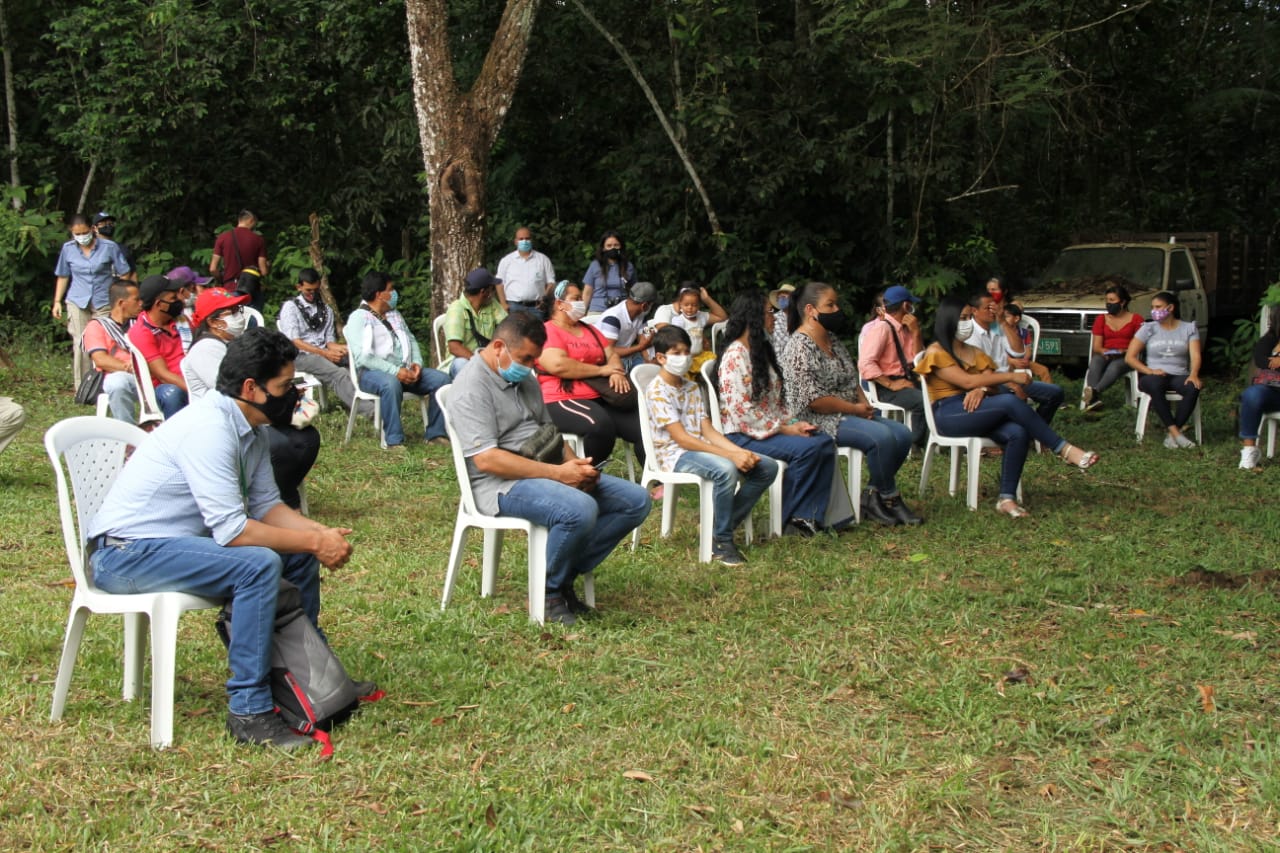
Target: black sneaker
{"x": 727, "y": 554}
{"x": 577, "y": 606}
{"x": 898, "y": 508}
{"x": 805, "y": 528}
{"x": 266, "y": 729}
{"x": 556, "y": 609}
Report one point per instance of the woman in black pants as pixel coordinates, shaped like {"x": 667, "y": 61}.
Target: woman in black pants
{"x": 575, "y": 357}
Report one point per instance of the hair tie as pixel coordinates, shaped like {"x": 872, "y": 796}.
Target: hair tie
{"x": 561, "y": 288}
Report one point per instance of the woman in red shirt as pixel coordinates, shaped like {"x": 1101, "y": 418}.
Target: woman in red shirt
{"x": 1112, "y": 333}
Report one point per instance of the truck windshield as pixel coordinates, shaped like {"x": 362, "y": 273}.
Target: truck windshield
{"x": 1093, "y": 269}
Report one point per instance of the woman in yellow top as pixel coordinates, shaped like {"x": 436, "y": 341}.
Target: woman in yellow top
{"x": 969, "y": 398}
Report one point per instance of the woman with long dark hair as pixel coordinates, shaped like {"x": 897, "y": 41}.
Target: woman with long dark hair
{"x": 610, "y": 275}
{"x": 754, "y": 414}
{"x": 968, "y": 399}
{"x": 1112, "y": 334}
{"x": 823, "y": 389}
{"x": 1172, "y": 364}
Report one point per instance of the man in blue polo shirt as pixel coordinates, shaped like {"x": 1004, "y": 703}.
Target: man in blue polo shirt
{"x": 196, "y": 510}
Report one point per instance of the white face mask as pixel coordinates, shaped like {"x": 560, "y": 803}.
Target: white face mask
{"x": 83, "y": 239}
{"x": 964, "y": 330}
{"x": 235, "y": 324}
{"x": 678, "y": 364}
{"x": 577, "y": 309}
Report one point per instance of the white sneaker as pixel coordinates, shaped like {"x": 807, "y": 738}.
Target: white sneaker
{"x": 1086, "y": 399}
{"x": 1250, "y": 457}
{"x": 1171, "y": 442}
{"x": 1183, "y": 441}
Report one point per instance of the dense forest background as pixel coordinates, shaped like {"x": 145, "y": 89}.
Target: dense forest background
{"x": 855, "y": 141}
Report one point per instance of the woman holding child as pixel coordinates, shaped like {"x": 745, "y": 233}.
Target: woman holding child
{"x": 823, "y": 389}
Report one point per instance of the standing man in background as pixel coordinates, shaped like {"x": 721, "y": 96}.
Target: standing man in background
{"x": 524, "y": 276}
{"x": 237, "y": 249}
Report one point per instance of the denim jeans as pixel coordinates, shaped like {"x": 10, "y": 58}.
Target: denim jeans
{"x": 455, "y": 366}
{"x": 390, "y": 394}
{"x": 883, "y": 442}
{"x": 1157, "y": 386}
{"x": 913, "y": 401}
{"x": 811, "y": 463}
{"x": 1007, "y": 421}
{"x": 584, "y": 527}
{"x": 171, "y": 399}
{"x": 200, "y": 566}
{"x": 1256, "y": 401}
{"x": 1048, "y": 398}
{"x": 122, "y": 395}
{"x": 735, "y": 492}
{"x": 1105, "y": 372}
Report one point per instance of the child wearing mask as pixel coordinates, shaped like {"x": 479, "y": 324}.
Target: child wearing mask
{"x": 686, "y": 313}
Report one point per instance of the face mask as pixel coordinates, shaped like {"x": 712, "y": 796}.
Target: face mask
{"x": 106, "y": 230}
{"x": 524, "y": 245}
{"x": 515, "y": 371}
{"x": 997, "y": 296}
{"x": 175, "y": 308}
{"x": 395, "y": 299}
{"x": 1114, "y": 308}
{"x": 784, "y": 302}
{"x": 964, "y": 330}
{"x": 278, "y": 410}
{"x": 834, "y": 321}
{"x": 309, "y": 295}
{"x": 678, "y": 364}
{"x": 577, "y": 309}
{"x": 612, "y": 254}
{"x": 83, "y": 239}
{"x": 235, "y": 324}
{"x": 1161, "y": 314}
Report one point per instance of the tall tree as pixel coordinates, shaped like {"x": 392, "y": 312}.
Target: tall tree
{"x": 458, "y": 129}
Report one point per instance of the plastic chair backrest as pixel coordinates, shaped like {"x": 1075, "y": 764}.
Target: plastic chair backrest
{"x": 437, "y": 333}
{"x": 641, "y": 376}
{"x": 711, "y": 394}
{"x": 443, "y": 396}
{"x": 150, "y": 409}
{"x": 92, "y": 449}
{"x": 254, "y": 317}
{"x": 928, "y": 405}
{"x": 717, "y": 332}
{"x": 1035, "y": 334}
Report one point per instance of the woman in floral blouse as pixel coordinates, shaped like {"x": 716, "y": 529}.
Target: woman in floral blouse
{"x": 822, "y": 388}
{"x": 754, "y": 414}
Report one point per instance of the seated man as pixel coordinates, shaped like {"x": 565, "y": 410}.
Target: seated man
{"x": 887, "y": 349}
{"x": 471, "y": 319}
{"x": 196, "y": 510}
{"x": 105, "y": 344}
{"x": 12, "y": 418}
{"x": 623, "y": 324}
{"x": 389, "y": 360}
{"x": 684, "y": 440}
{"x": 308, "y": 322}
{"x": 496, "y": 407}
{"x": 156, "y": 337}
{"x": 990, "y": 337}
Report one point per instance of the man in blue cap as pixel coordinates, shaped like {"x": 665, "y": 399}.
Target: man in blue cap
{"x": 886, "y": 353}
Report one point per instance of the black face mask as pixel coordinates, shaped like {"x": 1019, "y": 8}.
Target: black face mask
{"x": 1114, "y": 308}
{"x": 106, "y": 230}
{"x": 613, "y": 254}
{"x": 834, "y": 322}
{"x": 279, "y": 410}
{"x": 175, "y": 308}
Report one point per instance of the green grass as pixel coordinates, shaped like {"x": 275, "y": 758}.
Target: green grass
{"x": 841, "y": 693}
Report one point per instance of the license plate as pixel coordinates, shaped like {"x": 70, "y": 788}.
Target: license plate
{"x": 1051, "y": 346}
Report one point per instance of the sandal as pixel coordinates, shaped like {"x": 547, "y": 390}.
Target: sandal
{"x": 1010, "y": 507}
{"x": 1086, "y": 461}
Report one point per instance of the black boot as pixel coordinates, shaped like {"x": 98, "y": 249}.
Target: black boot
{"x": 897, "y": 507}
{"x": 873, "y": 508}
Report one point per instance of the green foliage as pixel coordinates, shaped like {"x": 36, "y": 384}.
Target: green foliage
{"x": 30, "y": 240}
{"x": 1235, "y": 353}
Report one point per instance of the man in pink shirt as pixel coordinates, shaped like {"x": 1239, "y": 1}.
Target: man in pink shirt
{"x": 105, "y": 343}
{"x": 886, "y": 353}
{"x": 158, "y": 342}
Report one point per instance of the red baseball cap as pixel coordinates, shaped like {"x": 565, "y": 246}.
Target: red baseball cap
{"x": 213, "y": 299}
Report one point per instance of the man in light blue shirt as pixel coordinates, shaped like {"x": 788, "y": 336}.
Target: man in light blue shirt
{"x": 196, "y": 510}
{"x": 989, "y": 337}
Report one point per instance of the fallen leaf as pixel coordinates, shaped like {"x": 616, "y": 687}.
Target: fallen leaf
{"x": 823, "y": 796}
{"x": 467, "y": 707}
{"x": 568, "y": 709}
{"x": 491, "y": 816}
{"x": 637, "y": 775}
{"x": 701, "y": 811}
{"x": 1206, "y": 698}
{"x": 502, "y": 609}
{"x": 377, "y": 808}
{"x": 1048, "y": 791}
{"x": 917, "y": 557}
{"x": 475, "y": 765}
{"x": 738, "y": 827}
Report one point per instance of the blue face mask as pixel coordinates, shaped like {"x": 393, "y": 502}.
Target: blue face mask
{"x": 524, "y": 245}
{"x": 395, "y": 299}
{"x": 515, "y": 371}
{"x": 784, "y": 302}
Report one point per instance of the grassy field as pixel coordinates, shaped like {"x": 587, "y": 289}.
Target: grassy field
{"x": 1101, "y": 676}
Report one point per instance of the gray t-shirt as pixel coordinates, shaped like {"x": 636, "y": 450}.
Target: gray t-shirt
{"x": 487, "y": 411}
{"x": 1168, "y": 349}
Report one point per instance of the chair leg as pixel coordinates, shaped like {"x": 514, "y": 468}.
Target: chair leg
{"x": 70, "y": 646}
{"x": 1199, "y": 426}
{"x": 854, "y": 483}
{"x": 491, "y": 558}
{"x": 1144, "y": 404}
{"x": 669, "y": 492}
{"x": 351, "y": 421}
{"x": 926, "y": 463}
{"x": 455, "y": 562}
{"x": 776, "y": 521}
{"x": 538, "y": 574}
{"x": 1271, "y": 438}
{"x": 975, "y": 461}
{"x": 706, "y": 519}
{"x": 164, "y": 649}
{"x": 589, "y": 589}
{"x": 954, "y": 482}
{"x": 135, "y": 650}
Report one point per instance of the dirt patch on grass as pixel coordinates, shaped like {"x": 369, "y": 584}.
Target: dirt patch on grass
{"x": 1202, "y": 577}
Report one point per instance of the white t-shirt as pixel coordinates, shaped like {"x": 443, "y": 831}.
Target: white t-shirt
{"x": 618, "y": 325}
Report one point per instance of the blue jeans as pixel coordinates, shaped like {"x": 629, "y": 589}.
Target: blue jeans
{"x": 811, "y": 463}
{"x": 390, "y": 391}
{"x": 1048, "y": 398}
{"x": 171, "y": 399}
{"x": 455, "y": 366}
{"x": 122, "y": 395}
{"x": 584, "y": 527}
{"x": 528, "y": 309}
{"x": 885, "y": 445}
{"x": 248, "y": 575}
{"x": 1256, "y": 401}
{"x": 1007, "y": 421}
{"x": 735, "y": 492}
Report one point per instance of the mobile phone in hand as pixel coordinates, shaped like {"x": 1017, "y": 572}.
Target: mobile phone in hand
{"x": 599, "y": 466}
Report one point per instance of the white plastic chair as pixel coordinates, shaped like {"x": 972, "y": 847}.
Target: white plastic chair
{"x": 493, "y": 527}
{"x": 711, "y": 393}
{"x": 254, "y": 317}
{"x": 149, "y": 409}
{"x": 442, "y": 345}
{"x": 309, "y": 380}
{"x": 1144, "y": 407}
{"x": 889, "y": 410}
{"x": 93, "y": 450}
{"x": 641, "y": 376}
{"x": 377, "y": 408}
{"x": 717, "y": 332}
{"x": 973, "y": 445}
{"x": 1035, "y": 334}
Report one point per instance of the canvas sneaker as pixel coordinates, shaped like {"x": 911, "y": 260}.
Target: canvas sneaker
{"x": 727, "y": 554}
{"x": 1250, "y": 457}
{"x": 1183, "y": 441}
{"x": 1171, "y": 443}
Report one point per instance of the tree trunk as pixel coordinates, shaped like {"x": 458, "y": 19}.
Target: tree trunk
{"x": 10, "y": 104}
{"x": 316, "y": 251}
{"x": 457, "y": 131}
